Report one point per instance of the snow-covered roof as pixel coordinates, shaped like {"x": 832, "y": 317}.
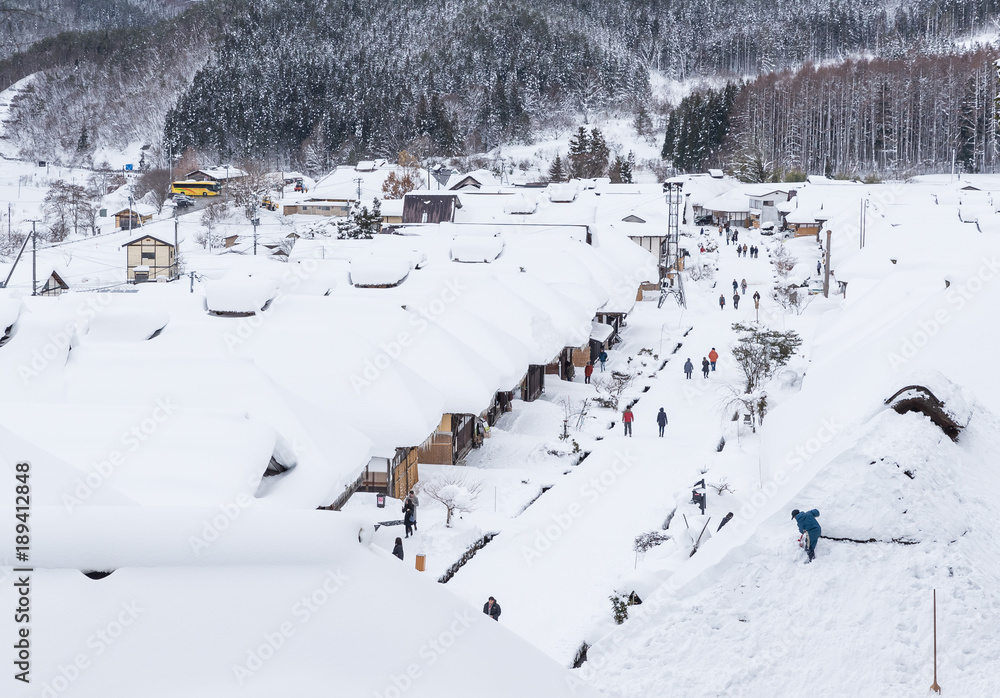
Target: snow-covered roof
{"x": 600, "y": 332}
{"x": 476, "y": 248}
{"x": 239, "y": 293}
{"x": 734, "y": 201}
{"x": 372, "y": 271}
{"x": 563, "y": 193}
{"x": 141, "y": 209}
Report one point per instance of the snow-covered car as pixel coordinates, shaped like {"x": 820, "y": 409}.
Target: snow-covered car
{"x": 703, "y": 220}
{"x": 183, "y": 201}
{"x": 767, "y": 229}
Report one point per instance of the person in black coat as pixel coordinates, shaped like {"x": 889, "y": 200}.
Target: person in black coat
{"x": 492, "y": 609}
{"x": 408, "y": 517}
{"x": 661, "y": 420}
{"x": 397, "y": 550}
{"x": 705, "y": 366}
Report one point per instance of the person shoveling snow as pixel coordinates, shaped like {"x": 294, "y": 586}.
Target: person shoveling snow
{"x": 808, "y": 527}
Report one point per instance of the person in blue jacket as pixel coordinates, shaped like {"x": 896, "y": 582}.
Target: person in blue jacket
{"x": 808, "y": 525}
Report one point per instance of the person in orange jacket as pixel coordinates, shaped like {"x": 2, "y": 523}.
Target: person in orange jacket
{"x": 713, "y": 356}
{"x": 627, "y": 418}
{"x": 588, "y": 371}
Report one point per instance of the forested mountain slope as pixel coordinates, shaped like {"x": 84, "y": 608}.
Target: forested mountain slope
{"x": 352, "y": 79}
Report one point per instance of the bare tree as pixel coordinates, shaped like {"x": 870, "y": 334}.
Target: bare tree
{"x": 67, "y": 209}
{"x": 213, "y": 214}
{"x": 248, "y": 192}
{"x": 610, "y": 389}
{"x": 455, "y": 492}
{"x": 759, "y": 352}
{"x": 156, "y": 184}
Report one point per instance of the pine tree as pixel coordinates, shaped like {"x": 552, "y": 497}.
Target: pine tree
{"x": 598, "y": 155}
{"x": 579, "y": 149}
{"x": 83, "y": 144}
{"x": 557, "y": 173}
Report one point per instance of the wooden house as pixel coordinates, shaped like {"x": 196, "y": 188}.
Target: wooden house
{"x": 450, "y": 442}
{"x": 223, "y": 175}
{"x": 533, "y": 383}
{"x": 134, "y": 216}
{"x": 319, "y": 207}
{"x": 419, "y": 207}
{"x": 53, "y": 286}
{"x": 149, "y": 258}
{"x": 502, "y": 402}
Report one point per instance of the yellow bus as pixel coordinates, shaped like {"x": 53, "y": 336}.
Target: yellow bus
{"x": 195, "y": 188}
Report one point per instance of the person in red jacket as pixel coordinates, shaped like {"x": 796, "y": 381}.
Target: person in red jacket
{"x": 627, "y": 418}
{"x": 588, "y": 371}
{"x": 713, "y": 356}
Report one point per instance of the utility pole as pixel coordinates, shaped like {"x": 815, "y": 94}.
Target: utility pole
{"x": 358, "y": 181}
{"x": 34, "y": 260}
{"x": 192, "y": 282}
{"x": 176, "y": 248}
{"x": 826, "y": 271}
{"x": 256, "y": 222}
{"x": 227, "y": 185}
{"x": 131, "y": 214}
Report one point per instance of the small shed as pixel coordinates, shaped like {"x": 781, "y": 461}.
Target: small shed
{"x": 134, "y": 216}
{"x": 430, "y": 208}
{"x": 148, "y": 257}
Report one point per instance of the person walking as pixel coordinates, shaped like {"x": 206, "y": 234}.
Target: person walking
{"x": 736, "y": 285}
{"x": 688, "y": 368}
{"x": 810, "y": 528}
{"x": 492, "y": 609}
{"x": 819, "y": 267}
{"x": 408, "y": 518}
{"x": 743, "y": 286}
{"x": 713, "y": 356}
{"x": 602, "y": 357}
{"x": 756, "y": 298}
{"x": 588, "y": 371}
{"x": 705, "y": 366}
{"x": 661, "y": 420}
{"x": 412, "y": 499}
{"x": 627, "y": 418}
{"x": 736, "y": 301}
{"x": 727, "y": 237}
{"x": 397, "y": 549}
{"x": 736, "y": 236}
{"x": 722, "y": 301}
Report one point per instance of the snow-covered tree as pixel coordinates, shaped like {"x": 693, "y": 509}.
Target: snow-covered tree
{"x": 455, "y": 492}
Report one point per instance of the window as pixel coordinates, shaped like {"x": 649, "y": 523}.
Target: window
{"x": 769, "y": 203}
{"x": 149, "y": 255}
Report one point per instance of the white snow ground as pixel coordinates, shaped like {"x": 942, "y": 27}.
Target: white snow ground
{"x": 743, "y": 616}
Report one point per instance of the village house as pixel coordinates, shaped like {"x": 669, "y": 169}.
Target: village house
{"x": 424, "y": 207}
{"x": 149, "y": 258}
{"x": 134, "y": 216}
{"x": 764, "y": 202}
